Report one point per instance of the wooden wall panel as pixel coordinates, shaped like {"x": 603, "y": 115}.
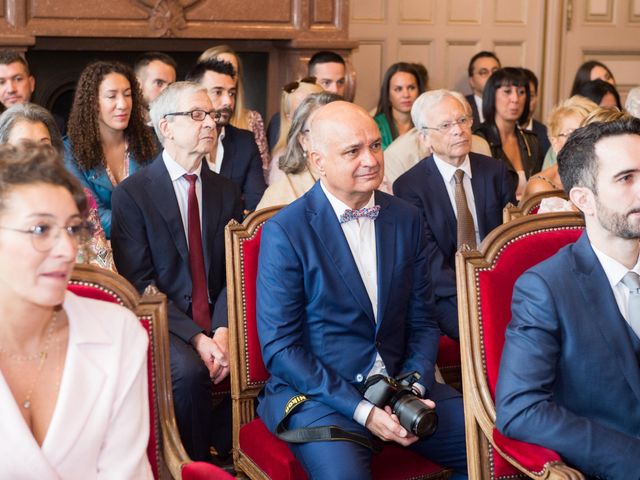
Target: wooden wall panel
{"x": 415, "y": 51}
{"x": 634, "y": 11}
{"x": 323, "y": 12}
{"x": 82, "y": 10}
{"x": 369, "y": 69}
{"x": 599, "y": 11}
{"x": 459, "y": 53}
{"x": 416, "y": 11}
{"x": 262, "y": 11}
{"x": 464, "y": 12}
{"x": 510, "y": 12}
{"x": 364, "y": 11}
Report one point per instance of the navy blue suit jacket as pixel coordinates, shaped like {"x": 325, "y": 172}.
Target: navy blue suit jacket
{"x": 315, "y": 320}
{"x": 424, "y": 187}
{"x": 150, "y": 245}
{"x": 569, "y": 376}
{"x": 242, "y": 164}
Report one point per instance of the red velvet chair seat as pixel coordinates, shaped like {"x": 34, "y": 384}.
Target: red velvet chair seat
{"x": 276, "y": 460}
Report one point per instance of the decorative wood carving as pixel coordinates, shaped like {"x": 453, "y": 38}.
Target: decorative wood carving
{"x": 167, "y": 16}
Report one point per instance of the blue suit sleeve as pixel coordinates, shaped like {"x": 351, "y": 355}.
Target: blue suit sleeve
{"x": 281, "y": 306}
{"x": 525, "y": 404}
{"x": 423, "y": 332}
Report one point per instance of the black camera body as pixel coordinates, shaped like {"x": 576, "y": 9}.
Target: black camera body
{"x": 413, "y": 414}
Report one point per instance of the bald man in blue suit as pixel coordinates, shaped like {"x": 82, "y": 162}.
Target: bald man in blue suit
{"x": 342, "y": 298}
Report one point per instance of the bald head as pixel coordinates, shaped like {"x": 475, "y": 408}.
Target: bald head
{"x": 346, "y": 149}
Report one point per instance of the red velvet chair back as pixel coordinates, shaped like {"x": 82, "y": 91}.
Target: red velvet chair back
{"x": 485, "y": 287}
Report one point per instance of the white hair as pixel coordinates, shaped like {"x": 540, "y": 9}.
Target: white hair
{"x": 169, "y": 101}
{"x": 632, "y": 105}
{"x": 428, "y": 101}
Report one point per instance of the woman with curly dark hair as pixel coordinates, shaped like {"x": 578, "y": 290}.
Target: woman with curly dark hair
{"x": 401, "y": 85}
{"x": 107, "y": 137}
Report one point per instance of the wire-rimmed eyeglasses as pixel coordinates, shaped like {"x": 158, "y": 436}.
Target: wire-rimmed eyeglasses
{"x": 44, "y": 235}
{"x": 464, "y": 122}
{"x": 198, "y": 115}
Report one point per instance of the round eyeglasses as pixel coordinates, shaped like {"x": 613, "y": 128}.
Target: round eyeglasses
{"x": 44, "y": 235}
{"x": 464, "y": 122}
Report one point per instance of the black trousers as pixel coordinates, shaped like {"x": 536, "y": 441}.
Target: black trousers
{"x": 202, "y": 422}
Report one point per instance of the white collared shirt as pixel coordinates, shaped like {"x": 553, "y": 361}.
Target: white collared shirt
{"x": 479, "y": 105}
{"x": 615, "y": 272}
{"x": 181, "y": 189}
{"x": 361, "y": 237}
{"x": 447, "y": 171}
{"x": 215, "y": 167}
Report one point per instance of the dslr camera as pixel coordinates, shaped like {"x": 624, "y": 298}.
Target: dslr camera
{"x": 413, "y": 414}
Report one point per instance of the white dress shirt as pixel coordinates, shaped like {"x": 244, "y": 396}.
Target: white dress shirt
{"x": 361, "y": 237}
{"x": 615, "y": 272}
{"x": 215, "y": 167}
{"x": 447, "y": 171}
{"x": 181, "y": 189}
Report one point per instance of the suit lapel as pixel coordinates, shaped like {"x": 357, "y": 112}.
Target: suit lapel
{"x": 211, "y": 210}
{"x": 160, "y": 190}
{"x": 229, "y": 152}
{"x": 385, "y": 253}
{"x": 81, "y": 384}
{"x": 479, "y": 187}
{"x": 442, "y": 208}
{"x": 594, "y": 284}
{"x": 324, "y": 223}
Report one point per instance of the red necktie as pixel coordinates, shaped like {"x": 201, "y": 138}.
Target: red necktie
{"x": 199, "y": 297}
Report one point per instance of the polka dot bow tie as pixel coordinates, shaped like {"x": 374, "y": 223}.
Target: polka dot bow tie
{"x": 365, "y": 212}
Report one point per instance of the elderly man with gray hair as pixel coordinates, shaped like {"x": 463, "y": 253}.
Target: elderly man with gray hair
{"x": 168, "y": 230}
{"x": 460, "y": 194}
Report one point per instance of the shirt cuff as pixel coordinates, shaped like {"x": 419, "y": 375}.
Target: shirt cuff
{"x": 362, "y": 412}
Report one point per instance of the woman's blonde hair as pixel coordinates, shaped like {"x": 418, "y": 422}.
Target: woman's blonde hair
{"x": 576, "y": 105}
{"x": 305, "y": 86}
{"x": 605, "y": 115}
{"x": 240, "y": 118}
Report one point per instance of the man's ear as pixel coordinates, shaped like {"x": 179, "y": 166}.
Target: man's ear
{"x": 584, "y": 199}
{"x": 317, "y": 161}
{"x": 425, "y": 143}
{"x": 165, "y": 128}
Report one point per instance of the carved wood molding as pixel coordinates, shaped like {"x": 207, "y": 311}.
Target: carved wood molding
{"x": 167, "y": 16}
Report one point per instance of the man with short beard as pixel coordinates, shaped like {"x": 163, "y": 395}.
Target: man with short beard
{"x": 570, "y": 372}
{"x": 237, "y": 156}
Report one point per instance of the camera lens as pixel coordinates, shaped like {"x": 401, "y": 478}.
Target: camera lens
{"x": 415, "y": 416}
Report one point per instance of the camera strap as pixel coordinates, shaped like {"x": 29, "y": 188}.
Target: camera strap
{"x": 330, "y": 433}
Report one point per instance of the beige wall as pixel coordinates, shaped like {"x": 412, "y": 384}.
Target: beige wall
{"x": 551, "y": 37}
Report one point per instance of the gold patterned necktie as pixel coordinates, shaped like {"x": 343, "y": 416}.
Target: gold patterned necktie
{"x": 632, "y": 281}
{"x": 466, "y": 228}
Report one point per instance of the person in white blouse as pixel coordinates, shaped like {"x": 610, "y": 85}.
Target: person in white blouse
{"x": 73, "y": 371}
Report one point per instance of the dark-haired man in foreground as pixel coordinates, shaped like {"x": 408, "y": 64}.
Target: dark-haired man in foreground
{"x": 570, "y": 371}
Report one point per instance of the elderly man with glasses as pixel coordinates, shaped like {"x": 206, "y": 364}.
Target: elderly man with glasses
{"x": 460, "y": 194}
{"x": 167, "y": 229}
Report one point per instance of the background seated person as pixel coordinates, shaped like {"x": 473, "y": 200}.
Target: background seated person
{"x": 460, "y": 194}
{"x": 569, "y": 376}
{"x": 31, "y": 122}
{"x": 342, "y": 297}
{"x": 73, "y": 371}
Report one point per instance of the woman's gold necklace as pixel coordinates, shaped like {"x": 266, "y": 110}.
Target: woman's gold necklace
{"x": 42, "y": 356}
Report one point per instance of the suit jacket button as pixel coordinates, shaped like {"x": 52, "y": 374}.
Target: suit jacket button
{"x": 359, "y": 377}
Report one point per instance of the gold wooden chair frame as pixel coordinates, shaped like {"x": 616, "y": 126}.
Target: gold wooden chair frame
{"x": 479, "y": 407}
{"x": 150, "y": 307}
{"x": 243, "y": 390}
{"x": 528, "y": 205}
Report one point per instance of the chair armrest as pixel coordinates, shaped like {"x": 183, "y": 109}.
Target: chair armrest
{"x": 537, "y": 461}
